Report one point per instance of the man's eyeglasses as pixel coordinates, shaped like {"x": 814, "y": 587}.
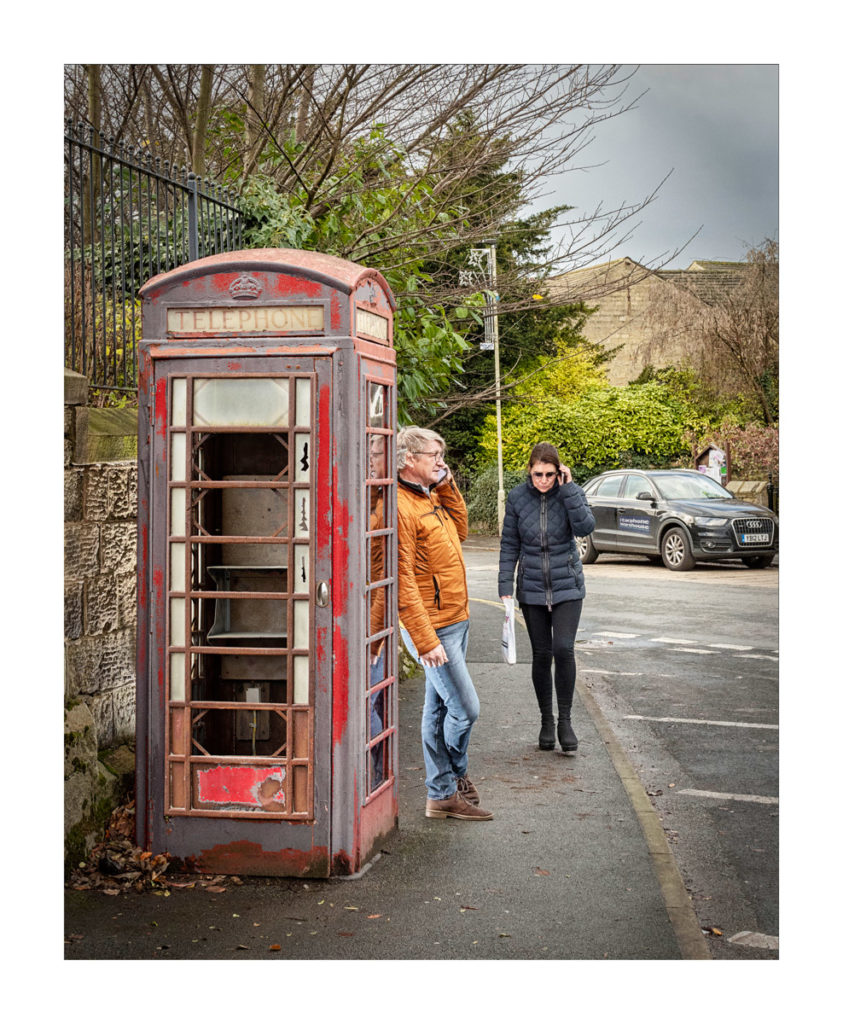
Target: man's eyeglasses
{"x": 544, "y": 476}
{"x": 434, "y": 455}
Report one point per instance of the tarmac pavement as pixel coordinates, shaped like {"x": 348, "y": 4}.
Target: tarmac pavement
{"x": 574, "y": 866}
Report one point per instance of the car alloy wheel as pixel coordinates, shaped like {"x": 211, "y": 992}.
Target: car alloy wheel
{"x": 676, "y": 551}
{"x": 587, "y": 551}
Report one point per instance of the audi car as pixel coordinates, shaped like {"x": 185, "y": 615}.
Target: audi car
{"x": 678, "y": 517}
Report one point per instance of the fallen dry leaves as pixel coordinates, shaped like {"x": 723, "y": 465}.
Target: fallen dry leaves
{"x": 116, "y": 865}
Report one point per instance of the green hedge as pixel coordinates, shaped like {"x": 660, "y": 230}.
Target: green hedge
{"x": 482, "y": 500}
{"x": 638, "y": 425}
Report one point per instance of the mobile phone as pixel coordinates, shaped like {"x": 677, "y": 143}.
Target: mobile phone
{"x": 443, "y": 472}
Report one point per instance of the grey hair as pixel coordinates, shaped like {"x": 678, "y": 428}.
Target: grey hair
{"x": 412, "y": 440}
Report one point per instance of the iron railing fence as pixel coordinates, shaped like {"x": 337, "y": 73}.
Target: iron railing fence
{"x": 127, "y": 218}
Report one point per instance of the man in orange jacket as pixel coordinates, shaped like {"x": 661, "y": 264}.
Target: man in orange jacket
{"x": 433, "y": 611}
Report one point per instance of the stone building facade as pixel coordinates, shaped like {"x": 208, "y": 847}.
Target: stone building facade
{"x": 624, "y": 293}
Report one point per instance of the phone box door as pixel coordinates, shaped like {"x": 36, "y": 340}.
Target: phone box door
{"x": 234, "y": 703}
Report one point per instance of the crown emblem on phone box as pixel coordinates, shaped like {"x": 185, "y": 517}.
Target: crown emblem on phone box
{"x": 245, "y": 287}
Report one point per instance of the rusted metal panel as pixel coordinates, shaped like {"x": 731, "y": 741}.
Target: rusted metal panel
{"x": 240, "y": 786}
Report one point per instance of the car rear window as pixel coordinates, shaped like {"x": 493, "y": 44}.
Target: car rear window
{"x": 690, "y": 488}
{"x": 610, "y": 487}
{"x": 635, "y": 485}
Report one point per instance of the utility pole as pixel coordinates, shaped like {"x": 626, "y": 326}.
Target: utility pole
{"x": 485, "y": 278}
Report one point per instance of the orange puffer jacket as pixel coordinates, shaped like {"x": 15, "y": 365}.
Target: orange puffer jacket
{"x": 432, "y": 587}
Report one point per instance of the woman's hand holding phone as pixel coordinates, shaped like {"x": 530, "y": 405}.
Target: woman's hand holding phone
{"x": 564, "y": 474}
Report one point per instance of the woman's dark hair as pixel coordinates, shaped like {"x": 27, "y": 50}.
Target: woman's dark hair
{"x": 544, "y": 452}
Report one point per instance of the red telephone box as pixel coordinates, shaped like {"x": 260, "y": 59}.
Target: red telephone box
{"x": 266, "y": 703}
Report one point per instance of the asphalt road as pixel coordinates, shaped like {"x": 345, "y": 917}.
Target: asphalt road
{"x": 684, "y": 667}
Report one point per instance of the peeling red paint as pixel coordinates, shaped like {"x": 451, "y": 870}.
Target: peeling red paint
{"x": 339, "y": 718}
{"x": 161, "y": 407}
{"x": 221, "y": 283}
{"x": 336, "y": 312}
{"x": 248, "y": 858}
{"x": 324, "y": 481}
{"x": 227, "y": 784}
{"x": 144, "y": 561}
{"x": 341, "y": 864}
{"x": 286, "y": 284}
{"x": 235, "y": 367}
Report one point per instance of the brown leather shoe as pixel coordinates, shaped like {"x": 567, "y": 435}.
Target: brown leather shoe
{"x": 467, "y": 790}
{"x": 456, "y": 806}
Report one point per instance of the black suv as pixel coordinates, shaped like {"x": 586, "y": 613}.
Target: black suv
{"x": 677, "y": 516}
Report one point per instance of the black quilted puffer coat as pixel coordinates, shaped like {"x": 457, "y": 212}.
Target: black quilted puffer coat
{"x": 538, "y": 536}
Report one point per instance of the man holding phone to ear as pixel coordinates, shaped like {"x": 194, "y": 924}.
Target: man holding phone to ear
{"x": 433, "y": 611}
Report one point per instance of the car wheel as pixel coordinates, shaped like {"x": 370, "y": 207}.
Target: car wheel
{"x": 588, "y": 552}
{"x": 758, "y": 561}
{"x": 676, "y": 551}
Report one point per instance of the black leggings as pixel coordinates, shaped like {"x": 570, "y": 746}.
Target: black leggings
{"x": 552, "y": 635}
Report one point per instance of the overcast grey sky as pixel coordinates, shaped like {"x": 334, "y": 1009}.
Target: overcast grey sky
{"x": 716, "y": 126}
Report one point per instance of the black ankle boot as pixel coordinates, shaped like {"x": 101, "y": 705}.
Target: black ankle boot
{"x": 547, "y": 739}
{"x": 567, "y": 737}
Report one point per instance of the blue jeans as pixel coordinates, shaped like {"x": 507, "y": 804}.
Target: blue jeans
{"x": 450, "y": 710}
{"x": 376, "y": 719}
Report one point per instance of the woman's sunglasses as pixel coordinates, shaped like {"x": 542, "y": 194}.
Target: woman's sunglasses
{"x": 544, "y": 476}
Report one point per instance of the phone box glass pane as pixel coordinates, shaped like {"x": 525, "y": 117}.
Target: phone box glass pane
{"x": 177, "y": 664}
{"x": 177, "y": 567}
{"x": 178, "y": 405}
{"x": 301, "y": 624}
{"x": 177, "y": 512}
{"x": 302, "y": 402}
{"x": 177, "y": 622}
{"x": 301, "y": 575}
{"x": 301, "y": 680}
{"x": 178, "y": 450}
{"x": 241, "y": 402}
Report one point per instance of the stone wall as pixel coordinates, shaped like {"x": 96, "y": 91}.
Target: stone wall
{"x": 100, "y": 529}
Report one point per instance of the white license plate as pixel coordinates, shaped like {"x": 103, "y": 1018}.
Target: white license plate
{"x": 755, "y": 538}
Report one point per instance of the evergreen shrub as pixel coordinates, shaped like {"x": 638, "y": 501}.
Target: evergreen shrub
{"x": 482, "y": 500}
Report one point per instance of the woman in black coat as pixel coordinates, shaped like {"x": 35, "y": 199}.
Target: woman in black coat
{"x": 543, "y": 516}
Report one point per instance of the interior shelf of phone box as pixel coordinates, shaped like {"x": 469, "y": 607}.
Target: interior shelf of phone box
{"x": 234, "y": 578}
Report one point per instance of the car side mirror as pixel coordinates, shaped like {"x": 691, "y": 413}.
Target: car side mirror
{"x": 644, "y": 496}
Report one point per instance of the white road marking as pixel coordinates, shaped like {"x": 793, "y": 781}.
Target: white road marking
{"x": 693, "y": 650}
{"x": 605, "y": 672}
{"x": 760, "y": 657}
{"x": 669, "y": 640}
{"x": 619, "y": 636}
{"x": 755, "y": 939}
{"x": 732, "y": 647}
{"x": 701, "y": 721}
{"x": 747, "y": 797}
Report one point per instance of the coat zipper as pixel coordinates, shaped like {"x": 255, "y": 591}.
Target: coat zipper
{"x": 437, "y": 595}
{"x": 548, "y": 590}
